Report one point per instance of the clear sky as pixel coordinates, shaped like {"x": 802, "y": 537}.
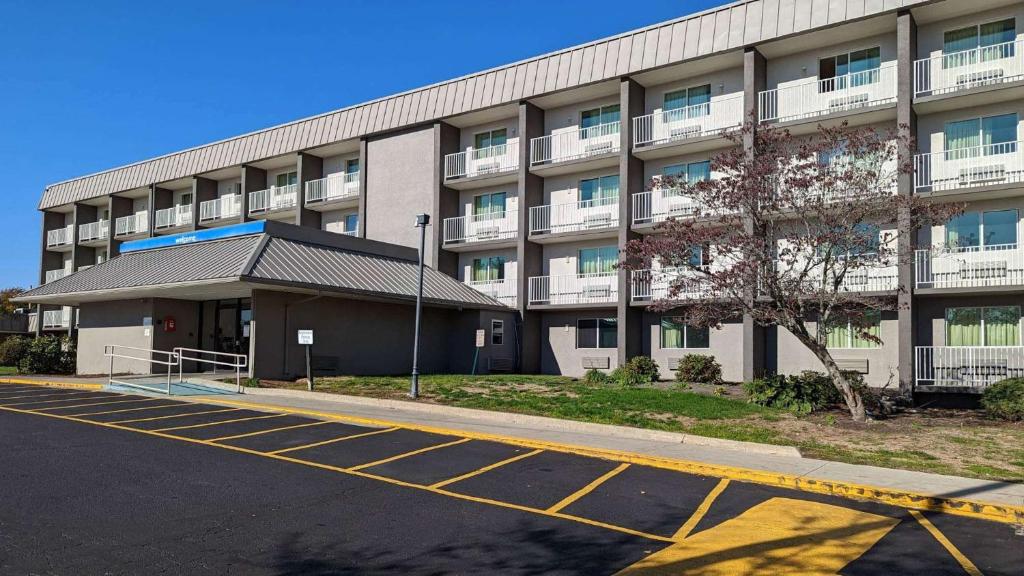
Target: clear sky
{"x": 86, "y": 86}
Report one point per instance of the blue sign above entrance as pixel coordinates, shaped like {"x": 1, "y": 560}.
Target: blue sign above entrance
{"x": 246, "y": 229}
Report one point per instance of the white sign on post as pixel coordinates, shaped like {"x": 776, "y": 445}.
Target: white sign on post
{"x": 481, "y": 336}
{"x": 305, "y": 337}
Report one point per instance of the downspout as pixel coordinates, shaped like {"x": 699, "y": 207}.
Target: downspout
{"x": 287, "y": 323}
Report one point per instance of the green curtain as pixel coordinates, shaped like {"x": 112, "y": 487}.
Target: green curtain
{"x": 962, "y": 135}
{"x": 671, "y": 333}
{"x": 963, "y": 327}
{"x": 960, "y": 40}
{"x": 1002, "y": 326}
{"x": 874, "y": 329}
{"x": 838, "y": 335}
{"x": 608, "y": 192}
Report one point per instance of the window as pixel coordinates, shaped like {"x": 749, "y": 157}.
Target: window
{"x": 489, "y": 269}
{"x": 981, "y": 137}
{"x": 351, "y": 223}
{"x": 489, "y": 206}
{"x": 983, "y": 326}
{"x": 598, "y": 116}
{"x": 992, "y": 41}
{"x": 689, "y": 103}
{"x": 186, "y": 199}
{"x": 497, "y": 332}
{"x": 692, "y": 172}
{"x": 857, "y": 68}
{"x": 864, "y": 242}
{"x": 287, "y": 179}
{"x": 676, "y": 334}
{"x": 490, "y": 138}
{"x": 598, "y": 260}
{"x": 994, "y": 230}
{"x": 845, "y": 334}
{"x": 600, "y": 191}
{"x": 597, "y": 333}
{"x": 352, "y": 166}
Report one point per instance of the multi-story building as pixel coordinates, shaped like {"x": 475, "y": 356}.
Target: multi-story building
{"x": 536, "y": 175}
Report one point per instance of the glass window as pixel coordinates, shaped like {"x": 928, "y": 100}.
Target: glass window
{"x": 351, "y": 222}
{"x": 490, "y": 138}
{"x": 993, "y": 40}
{"x": 676, "y": 334}
{"x": 287, "y": 179}
{"x": 598, "y": 260}
{"x": 489, "y": 269}
{"x": 983, "y": 326}
{"x": 186, "y": 199}
{"x": 597, "y": 333}
{"x": 845, "y": 334}
{"x": 497, "y": 332}
{"x": 352, "y": 166}
{"x": 996, "y": 134}
{"x": 597, "y": 116}
{"x": 856, "y": 68}
{"x": 692, "y": 172}
{"x": 696, "y": 101}
{"x": 489, "y": 204}
{"x": 600, "y": 191}
{"x": 994, "y": 230}
{"x": 999, "y": 229}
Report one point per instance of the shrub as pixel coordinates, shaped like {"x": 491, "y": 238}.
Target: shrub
{"x": 1005, "y": 399}
{"x": 801, "y": 393}
{"x": 13, "y": 349}
{"x": 639, "y": 370}
{"x": 49, "y": 355}
{"x": 699, "y": 368}
{"x": 595, "y": 376}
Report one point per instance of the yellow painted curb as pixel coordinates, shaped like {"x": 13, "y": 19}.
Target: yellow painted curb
{"x": 52, "y": 384}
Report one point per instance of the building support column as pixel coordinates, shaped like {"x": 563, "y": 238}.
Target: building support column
{"x": 755, "y": 81}
{"x": 119, "y": 207}
{"x": 309, "y": 168}
{"x": 446, "y": 201}
{"x": 631, "y": 181}
{"x": 253, "y": 180}
{"x": 363, "y": 164}
{"x": 529, "y": 255}
{"x": 906, "y": 120}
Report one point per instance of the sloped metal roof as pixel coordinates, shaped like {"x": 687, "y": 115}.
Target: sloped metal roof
{"x": 717, "y": 30}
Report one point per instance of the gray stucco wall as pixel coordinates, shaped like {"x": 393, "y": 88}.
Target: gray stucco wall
{"x": 113, "y": 323}
{"x": 186, "y": 319}
{"x": 726, "y": 347}
{"x": 559, "y": 354}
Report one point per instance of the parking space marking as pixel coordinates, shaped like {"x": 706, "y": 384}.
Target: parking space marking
{"x": 965, "y": 562}
{"x": 258, "y": 432}
{"x": 407, "y": 454}
{"x": 43, "y": 394}
{"x": 150, "y": 419}
{"x": 218, "y": 423}
{"x": 96, "y": 404}
{"x": 487, "y": 468}
{"x": 332, "y": 441}
{"x": 16, "y": 404}
{"x": 701, "y": 510}
{"x": 588, "y": 488}
{"x": 70, "y": 396}
{"x": 120, "y": 410}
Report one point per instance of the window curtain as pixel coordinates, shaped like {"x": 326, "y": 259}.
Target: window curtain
{"x": 996, "y": 40}
{"x": 874, "y": 329}
{"x": 963, "y": 327}
{"x": 351, "y": 222}
{"x": 838, "y": 335}
{"x": 960, "y": 40}
{"x": 1002, "y": 326}
{"x": 608, "y": 192}
{"x": 999, "y": 134}
{"x": 671, "y": 333}
{"x": 698, "y": 172}
{"x": 598, "y": 260}
{"x": 960, "y": 136}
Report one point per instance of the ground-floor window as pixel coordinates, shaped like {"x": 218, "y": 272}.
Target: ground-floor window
{"x": 497, "y": 332}
{"x": 597, "y": 333}
{"x": 677, "y": 334}
{"x": 983, "y": 326}
{"x": 843, "y": 333}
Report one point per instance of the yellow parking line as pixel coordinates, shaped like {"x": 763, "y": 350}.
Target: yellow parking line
{"x": 207, "y": 424}
{"x": 407, "y": 454}
{"x": 333, "y": 440}
{"x": 52, "y": 401}
{"x": 965, "y": 562}
{"x": 176, "y": 416}
{"x": 258, "y": 432}
{"x": 99, "y": 403}
{"x": 61, "y": 394}
{"x": 487, "y": 468}
{"x": 129, "y": 409}
{"x": 701, "y": 510}
{"x": 588, "y": 488}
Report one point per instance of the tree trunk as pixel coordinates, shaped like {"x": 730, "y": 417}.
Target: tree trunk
{"x": 853, "y": 399}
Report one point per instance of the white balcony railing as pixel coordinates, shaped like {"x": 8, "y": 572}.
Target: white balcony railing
{"x": 94, "y": 231}
{"x": 174, "y": 216}
{"x": 135, "y": 224}
{"x": 57, "y": 318}
{"x": 575, "y": 217}
{"x": 599, "y": 288}
{"x": 690, "y": 122}
{"x": 811, "y": 98}
{"x": 661, "y": 204}
{"x": 964, "y": 168}
{"x": 984, "y": 66}
{"x": 999, "y": 265}
{"x": 60, "y": 236}
{"x": 967, "y": 366}
{"x": 54, "y": 275}
{"x": 339, "y": 186}
{"x": 868, "y": 277}
{"x": 273, "y": 199}
{"x": 481, "y": 227}
{"x": 229, "y": 206}
{"x": 653, "y": 285}
{"x": 482, "y": 161}
{"x": 503, "y": 290}
{"x": 575, "y": 144}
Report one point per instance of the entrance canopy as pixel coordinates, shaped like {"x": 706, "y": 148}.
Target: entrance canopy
{"x": 231, "y": 261}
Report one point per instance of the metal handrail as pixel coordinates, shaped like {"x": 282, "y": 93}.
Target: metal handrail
{"x": 110, "y": 351}
{"x": 241, "y": 361}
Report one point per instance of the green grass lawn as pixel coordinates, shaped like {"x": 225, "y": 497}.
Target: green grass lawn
{"x": 8, "y": 370}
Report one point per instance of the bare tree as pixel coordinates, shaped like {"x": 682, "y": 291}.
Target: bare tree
{"x": 800, "y": 233}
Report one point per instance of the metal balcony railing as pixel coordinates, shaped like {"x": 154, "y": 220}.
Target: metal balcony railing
{"x": 54, "y": 275}
{"x": 661, "y": 204}
{"x": 575, "y": 144}
{"x": 63, "y": 236}
{"x": 54, "y": 319}
{"x": 697, "y": 121}
{"x": 94, "y": 231}
{"x": 229, "y": 206}
{"x": 965, "y": 168}
{"x": 653, "y": 285}
{"x": 997, "y": 265}
{"x": 598, "y": 288}
{"x": 339, "y": 186}
{"x": 481, "y": 161}
{"x": 135, "y": 224}
{"x": 967, "y": 366}
{"x": 575, "y": 216}
{"x": 481, "y": 227}
{"x": 503, "y": 290}
{"x": 274, "y": 199}
{"x": 812, "y": 97}
{"x": 174, "y": 216}
{"x": 984, "y": 66}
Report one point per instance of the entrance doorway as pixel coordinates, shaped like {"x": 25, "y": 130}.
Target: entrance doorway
{"x": 231, "y": 321}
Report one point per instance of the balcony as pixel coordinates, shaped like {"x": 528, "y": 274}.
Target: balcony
{"x": 652, "y": 285}
{"x": 57, "y": 319}
{"x": 94, "y": 232}
{"x": 478, "y": 167}
{"x": 496, "y": 229}
{"x": 967, "y": 168}
{"x": 503, "y": 290}
{"x": 660, "y": 204}
{"x": 690, "y": 129}
{"x": 334, "y": 191}
{"x": 576, "y": 149}
{"x": 174, "y": 217}
{"x": 273, "y": 199}
{"x": 600, "y": 288}
{"x": 554, "y": 222}
{"x": 54, "y": 275}
{"x": 994, "y": 266}
{"x": 224, "y": 208}
{"x": 60, "y": 239}
{"x": 133, "y": 225}
{"x": 982, "y": 68}
{"x": 812, "y": 98}
{"x": 966, "y": 367}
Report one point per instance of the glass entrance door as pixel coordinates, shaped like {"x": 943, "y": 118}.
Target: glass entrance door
{"x": 232, "y": 324}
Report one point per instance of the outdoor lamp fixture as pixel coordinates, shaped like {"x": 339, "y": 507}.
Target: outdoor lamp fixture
{"x": 422, "y": 220}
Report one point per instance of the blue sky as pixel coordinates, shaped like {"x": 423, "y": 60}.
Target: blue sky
{"x": 86, "y": 86}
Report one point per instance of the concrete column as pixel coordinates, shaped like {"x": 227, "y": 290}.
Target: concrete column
{"x": 49, "y": 260}
{"x": 755, "y": 81}
{"x": 906, "y": 119}
{"x": 82, "y": 255}
{"x": 118, "y": 207}
{"x": 529, "y": 256}
{"x": 253, "y": 180}
{"x": 159, "y": 199}
{"x": 309, "y": 168}
{"x": 446, "y": 200}
{"x": 203, "y": 190}
{"x": 631, "y": 181}
{"x": 363, "y": 164}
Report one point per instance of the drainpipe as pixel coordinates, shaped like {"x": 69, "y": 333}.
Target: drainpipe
{"x": 287, "y": 324}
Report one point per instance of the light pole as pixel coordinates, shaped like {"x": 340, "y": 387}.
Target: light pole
{"x": 421, "y": 222}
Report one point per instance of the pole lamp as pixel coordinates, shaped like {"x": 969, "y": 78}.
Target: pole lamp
{"x": 422, "y": 220}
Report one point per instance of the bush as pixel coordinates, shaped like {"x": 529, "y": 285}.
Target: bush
{"x": 802, "y": 393}
{"x": 1005, "y": 399}
{"x": 638, "y": 371}
{"x": 699, "y": 368}
{"x": 49, "y": 355}
{"x": 13, "y": 349}
{"x": 595, "y": 376}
